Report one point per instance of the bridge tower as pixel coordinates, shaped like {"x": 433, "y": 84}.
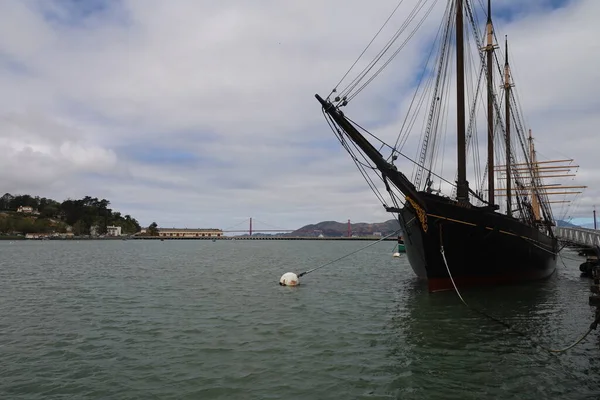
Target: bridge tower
{"x": 349, "y": 229}
{"x": 250, "y": 226}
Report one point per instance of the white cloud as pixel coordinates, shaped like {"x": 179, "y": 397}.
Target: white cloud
{"x": 88, "y": 158}
{"x": 230, "y": 86}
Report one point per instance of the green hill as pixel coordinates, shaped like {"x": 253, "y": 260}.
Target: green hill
{"x": 23, "y": 214}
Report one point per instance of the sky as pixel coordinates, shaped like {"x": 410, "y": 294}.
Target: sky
{"x": 202, "y": 113}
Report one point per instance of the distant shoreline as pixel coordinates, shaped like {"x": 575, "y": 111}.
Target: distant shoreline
{"x": 226, "y": 238}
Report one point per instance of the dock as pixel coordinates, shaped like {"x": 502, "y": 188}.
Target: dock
{"x": 587, "y": 241}
{"x": 234, "y": 238}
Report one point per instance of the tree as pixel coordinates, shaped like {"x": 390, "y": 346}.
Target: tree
{"x": 101, "y": 225}
{"x": 153, "y": 229}
{"x": 50, "y": 210}
{"x": 5, "y": 201}
{"x": 24, "y": 200}
{"x": 79, "y": 228}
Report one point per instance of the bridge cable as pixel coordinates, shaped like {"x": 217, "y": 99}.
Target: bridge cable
{"x": 270, "y": 226}
{"x": 593, "y": 325}
{"x": 235, "y": 225}
{"x": 347, "y": 255}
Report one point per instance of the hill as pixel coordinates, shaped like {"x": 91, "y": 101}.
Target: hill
{"x": 565, "y": 224}
{"x": 22, "y": 214}
{"x": 338, "y": 229}
{"x": 589, "y": 225}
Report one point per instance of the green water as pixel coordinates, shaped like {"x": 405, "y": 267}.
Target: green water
{"x": 203, "y": 320}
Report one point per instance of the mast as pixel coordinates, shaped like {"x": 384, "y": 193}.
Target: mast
{"x": 535, "y": 204}
{"x": 489, "y": 49}
{"x": 507, "y": 87}
{"x": 462, "y": 187}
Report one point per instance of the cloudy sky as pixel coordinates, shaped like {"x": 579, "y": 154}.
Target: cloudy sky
{"x": 201, "y": 113}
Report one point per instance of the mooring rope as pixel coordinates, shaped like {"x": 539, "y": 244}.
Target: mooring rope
{"x": 347, "y": 255}
{"x": 571, "y": 258}
{"x": 593, "y": 325}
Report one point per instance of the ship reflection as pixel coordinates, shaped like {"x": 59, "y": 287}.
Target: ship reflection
{"x": 441, "y": 349}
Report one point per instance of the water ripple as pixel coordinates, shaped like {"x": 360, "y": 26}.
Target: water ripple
{"x": 188, "y": 320}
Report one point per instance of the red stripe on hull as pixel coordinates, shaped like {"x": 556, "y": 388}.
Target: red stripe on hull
{"x": 442, "y": 284}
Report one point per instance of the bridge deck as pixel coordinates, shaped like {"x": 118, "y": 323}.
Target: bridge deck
{"x": 579, "y": 236}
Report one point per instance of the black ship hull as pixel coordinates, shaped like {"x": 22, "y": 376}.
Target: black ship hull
{"x": 482, "y": 247}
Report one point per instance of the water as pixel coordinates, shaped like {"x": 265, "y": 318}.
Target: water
{"x": 204, "y": 320}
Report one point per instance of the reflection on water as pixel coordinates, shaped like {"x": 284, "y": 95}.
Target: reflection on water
{"x": 442, "y": 349}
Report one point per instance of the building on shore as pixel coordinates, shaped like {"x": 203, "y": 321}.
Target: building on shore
{"x": 113, "y": 231}
{"x": 189, "y": 233}
{"x": 36, "y": 235}
{"x": 52, "y": 235}
{"x": 27, "y": 210}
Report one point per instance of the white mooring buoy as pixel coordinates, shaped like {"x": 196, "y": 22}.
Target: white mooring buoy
{"x": 289, "y": 279}
{"x": 396, "y": 255}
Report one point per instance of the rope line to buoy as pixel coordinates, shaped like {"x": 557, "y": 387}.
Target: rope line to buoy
{"x": 593, "y": 325}
{"x": 347, "y": 255}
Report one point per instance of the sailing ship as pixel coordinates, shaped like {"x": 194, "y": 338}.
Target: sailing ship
{"x": 465, "y": 237}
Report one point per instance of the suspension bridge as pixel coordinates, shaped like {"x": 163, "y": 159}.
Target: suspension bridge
{"x": 252, "y": 229}
{"x": 266, "y": 228}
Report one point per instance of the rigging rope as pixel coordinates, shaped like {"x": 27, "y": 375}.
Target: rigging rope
{"x": 429, "y": 80}
{"x": 400, "y": 153}
{"x": 593, "y": 325}
{"x": 432, "y": 119}
{"x": 356, "y": 81}
{"x": 359, "y": 165}
{"x": 347, "y": 255}
{"x": 385, "y": 64}
{"x": 411, "y": 24}
{"x": 366, "y": 48}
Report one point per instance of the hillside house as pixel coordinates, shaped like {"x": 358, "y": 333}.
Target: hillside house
{"x": 27, "y": 210}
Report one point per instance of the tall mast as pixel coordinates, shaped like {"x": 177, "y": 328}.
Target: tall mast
{"x": 535, "y": 204}
{"x": 507, "y": 87}
{"x": 462, "y": 187}
{"x": 489, "y": 49}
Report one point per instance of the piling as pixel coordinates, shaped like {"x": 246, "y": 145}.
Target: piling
{"x": 592, "y": 266}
